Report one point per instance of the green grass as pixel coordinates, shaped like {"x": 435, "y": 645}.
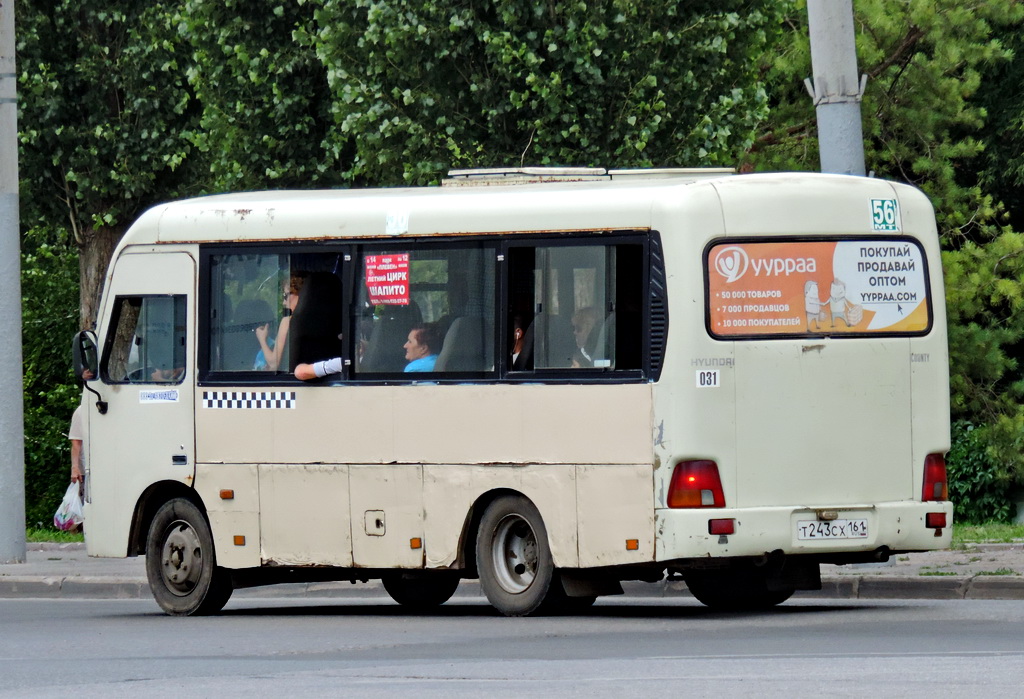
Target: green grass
{"x": 991, "y": 532}
{"x": 1000, "y": 571}
{"x": 936, "y": 572}
{"x": 35, "y": 536}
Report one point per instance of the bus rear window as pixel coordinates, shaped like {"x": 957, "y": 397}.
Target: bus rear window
{"x": 851, "y": 288}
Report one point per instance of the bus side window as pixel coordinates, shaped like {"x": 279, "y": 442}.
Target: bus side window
{"x": 468, "y": 324}
{"x": 578, "y": 307}
{"x": 256, "y": 297}
{"x": 245, "y": 295}
{"x": 146, "y": 342}
{"x": 448, "y": 289}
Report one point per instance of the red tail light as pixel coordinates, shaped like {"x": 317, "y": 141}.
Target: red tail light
{"x": 696, "y": 484}
{"x": 721, "y": 526}
{"x": 934, "y": 479}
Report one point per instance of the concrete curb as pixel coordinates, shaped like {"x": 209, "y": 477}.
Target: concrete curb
{"x": 55, "y": 546}
{"x": 977, "y": 587}
{"x": 71, "y": 588}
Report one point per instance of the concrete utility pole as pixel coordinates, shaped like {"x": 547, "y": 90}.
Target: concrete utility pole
{"x": 12, "y": 418}
{"x": 836, "y": 88}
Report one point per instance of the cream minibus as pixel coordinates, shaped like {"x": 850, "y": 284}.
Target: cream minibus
{"x": 552, "y": 381}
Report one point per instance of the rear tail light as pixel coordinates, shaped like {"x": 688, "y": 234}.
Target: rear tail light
{"x": 935, "y": 520}
{"x": 696, "y": 484}
{"x": 934, "y": 479}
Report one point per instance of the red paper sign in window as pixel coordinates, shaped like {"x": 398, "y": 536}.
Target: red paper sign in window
{"x": 387, "y": 279}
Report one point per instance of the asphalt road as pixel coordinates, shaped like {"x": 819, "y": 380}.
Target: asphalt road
{"x": 621, "y": 648}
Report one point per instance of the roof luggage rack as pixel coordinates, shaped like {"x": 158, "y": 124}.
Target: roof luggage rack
{"x": 531, "y": 175}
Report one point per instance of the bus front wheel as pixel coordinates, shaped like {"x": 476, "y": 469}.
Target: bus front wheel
{"x": 180, "y": 563}
{"x": 513, "y": 557}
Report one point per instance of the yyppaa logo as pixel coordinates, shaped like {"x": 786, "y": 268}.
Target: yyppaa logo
{"x": 732, "y": 263}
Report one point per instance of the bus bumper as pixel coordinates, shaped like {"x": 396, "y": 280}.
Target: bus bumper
{"x": 847, "y": 529}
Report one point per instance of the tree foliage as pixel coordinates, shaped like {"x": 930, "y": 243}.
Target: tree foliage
{"x": 264, "y": 101}
{"x": 104, "y": 112}
{"x": 420, "y": 86}
{"x": 1002, "y": 164}
{"x": 49, "y": 318}
{"x": 104, "y": 118}
{"x": 924, "y": 62}
{"x": 978, "y": 486}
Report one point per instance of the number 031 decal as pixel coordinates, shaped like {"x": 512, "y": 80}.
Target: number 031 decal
{"x": 708, "y": 378}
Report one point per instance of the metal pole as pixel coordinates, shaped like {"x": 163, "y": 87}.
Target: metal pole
{"x": 836, "y": 88}
{"x": 12, "y": 418}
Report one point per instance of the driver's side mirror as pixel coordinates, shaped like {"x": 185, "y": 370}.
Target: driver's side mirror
{"x": 84, "y": 355}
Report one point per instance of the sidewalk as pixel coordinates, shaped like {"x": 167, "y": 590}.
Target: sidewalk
{"x": 986, "y": 571}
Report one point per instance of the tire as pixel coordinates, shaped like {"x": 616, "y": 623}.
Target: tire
{"x": 420, "y": 590}
{"x": 736, "y": 591}
{"x": 181, "y": 564}
{"x": 513, "y": 557}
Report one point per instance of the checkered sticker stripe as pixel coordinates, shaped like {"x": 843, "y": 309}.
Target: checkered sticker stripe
{"x": 249, "y": 400}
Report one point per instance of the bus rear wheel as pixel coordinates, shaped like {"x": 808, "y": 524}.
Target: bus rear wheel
{"x": 736, "y": 591}
{"x": 513, "y": 557}
{"x": 418, "y": 590}
{"x": 180, "y": 563}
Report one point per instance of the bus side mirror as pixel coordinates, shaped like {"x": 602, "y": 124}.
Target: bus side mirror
{"x": 84, "y": 355}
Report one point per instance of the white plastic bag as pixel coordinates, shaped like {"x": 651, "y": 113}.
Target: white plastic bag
{"x": 69, "y": 514}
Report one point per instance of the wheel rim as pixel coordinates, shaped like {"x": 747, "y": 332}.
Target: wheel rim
{"x": 514, "y": 554}
{"x": 181, "y": 559}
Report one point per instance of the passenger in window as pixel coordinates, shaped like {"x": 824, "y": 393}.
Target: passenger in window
{"x": 240, "y": 349}
{"x": 422, "y": 347}
{"x": 518, "y": 336}
{"x": 584, "y": 324}
{"x": 274, "y": 349}
{"x": 318, "y": 370}
{"x": 167, "y": 375}
{"x": 419, "y": 352}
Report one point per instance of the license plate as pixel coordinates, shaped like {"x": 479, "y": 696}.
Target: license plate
{"x": 811, "y": 529}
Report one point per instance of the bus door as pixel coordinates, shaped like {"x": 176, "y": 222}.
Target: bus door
{"x": 146, "y": 377}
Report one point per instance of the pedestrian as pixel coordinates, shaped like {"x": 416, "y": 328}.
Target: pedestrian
{"x": 77, "y": 435}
